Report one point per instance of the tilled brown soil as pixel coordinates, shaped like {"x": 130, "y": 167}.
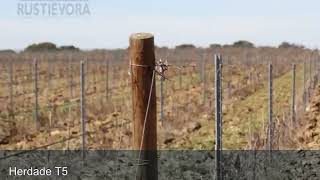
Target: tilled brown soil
{"x": 175, "y": 165}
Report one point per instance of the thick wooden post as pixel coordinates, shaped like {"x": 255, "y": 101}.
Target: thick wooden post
{"x": 142, "y": 59}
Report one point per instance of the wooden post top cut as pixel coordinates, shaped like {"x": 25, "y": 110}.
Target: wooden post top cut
{"x": 141, "y": 36}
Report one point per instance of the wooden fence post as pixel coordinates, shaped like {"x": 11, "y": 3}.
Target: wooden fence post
{"x": 142, "y": 59}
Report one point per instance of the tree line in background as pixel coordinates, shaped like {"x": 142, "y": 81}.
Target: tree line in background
{"x": 48, "y": 46}
{"x": 43, "y": 47}
{"x": 248, "y": 44}
{"x": 51, "y": 47}
{"x": 241, "y": 44}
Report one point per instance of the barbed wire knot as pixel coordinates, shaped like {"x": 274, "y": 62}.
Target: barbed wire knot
{"x": 161, "y": 68}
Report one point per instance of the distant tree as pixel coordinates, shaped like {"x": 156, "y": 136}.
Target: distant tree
{"x": 69, "y": 48}
{"x": 7, "y": 51}
{"x": 290, "y": 45}
{"x": 266, "y": 47}
{"x": 215, "y": 46}
{"x": 185, "y": 46}
{"x": 45, "y": 46}
{"x": 48, "y": 46}
{"x": 285, "y": 45}
{"x": 227, "y": 46}
{"x": 243, "y": 44}
{"x": 163, "y": 47}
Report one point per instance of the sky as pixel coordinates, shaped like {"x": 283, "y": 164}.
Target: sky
{"x": 173, "y": 22}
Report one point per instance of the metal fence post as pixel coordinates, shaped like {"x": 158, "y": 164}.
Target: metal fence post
{"x": 304, "y": 87}
{"x": 161, "y": 97}
{"x": 315, "y": 70}
{"x": 10, "y": 78}
{"x": 180, "y": 78}
{"x": 310, "y": 76}
{"x": 49, "y": 69}
{"x": 36, "y": 89}
{"x": 70, "y": 78}
{"x": 204, "y": 79}
{"x": 221, "y": 95}
{"x": 270, "y": 129}
{"x": 82, "y": 108}
{"x": 218, "y": 117}
{"x": 201, "y": 68}
{"x": 87, "y": 70}
{"x": 30, "y": 72}
{"x": 107, "y": 79}
{"x": 318, "y": 65}
{"x": 94, "y": 69}
{"x": 293, "y": 96}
